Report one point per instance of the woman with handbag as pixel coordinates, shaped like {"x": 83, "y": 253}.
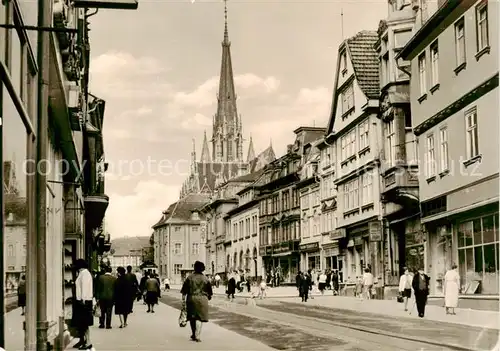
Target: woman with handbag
{"x": 196, "y": 292}
{"x": 83, "y": 316}
{"x": 405, "y": 287}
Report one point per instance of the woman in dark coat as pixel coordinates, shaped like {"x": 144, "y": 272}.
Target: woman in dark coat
{"x": 196, "y": 292}
{"x": 122, "y": 297}
{"x": 231, "y": 287}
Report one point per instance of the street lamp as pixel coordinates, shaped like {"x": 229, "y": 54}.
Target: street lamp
{"x": 107, "y": 4}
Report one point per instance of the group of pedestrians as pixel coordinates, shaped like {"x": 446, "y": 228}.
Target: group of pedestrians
{"x": 99, "y": 295}
{"x": 118, "y": 292}
{"x": 419, "y": 281}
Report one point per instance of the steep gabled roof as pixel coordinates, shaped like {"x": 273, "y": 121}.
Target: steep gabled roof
{"x": 182, "y": 209}
{"x": 365, "y": 62}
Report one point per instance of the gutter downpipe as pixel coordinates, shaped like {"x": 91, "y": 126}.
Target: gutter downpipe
{"x": 43, "y": 60}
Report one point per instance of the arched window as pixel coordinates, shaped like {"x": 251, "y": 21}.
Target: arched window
{"x": 247, "y": 260}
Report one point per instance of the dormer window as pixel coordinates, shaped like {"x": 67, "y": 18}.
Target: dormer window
{"x": 343, "y": 62}
{"x": 195, "y": 216}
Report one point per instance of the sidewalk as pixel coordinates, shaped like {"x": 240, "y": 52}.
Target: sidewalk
{"x": 14, "y": 333}
{"x": 160, "y": 331}
{"x": 476, "y": 318}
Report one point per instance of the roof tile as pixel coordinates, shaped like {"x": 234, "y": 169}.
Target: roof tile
{"x": 365, "y": 62}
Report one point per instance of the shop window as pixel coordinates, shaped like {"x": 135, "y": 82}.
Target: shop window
{"x": 478, "y": 254}
{"x": 14, "y": 183}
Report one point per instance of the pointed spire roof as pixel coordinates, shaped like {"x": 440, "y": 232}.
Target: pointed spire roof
{"x": 205, "y": 152}
{"x": 226, "y": 34}
{"x": 226, "y": 118}
{"x": 251, "y": 151}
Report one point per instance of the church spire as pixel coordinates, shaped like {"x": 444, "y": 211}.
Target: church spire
{"x": 226, "y": 34}
{"x": 251, "y": 151}
{"x": 205, "y": 153}
{"x": 227, "y": 143}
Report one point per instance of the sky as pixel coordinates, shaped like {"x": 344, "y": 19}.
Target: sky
{"x": 157, "y": 69}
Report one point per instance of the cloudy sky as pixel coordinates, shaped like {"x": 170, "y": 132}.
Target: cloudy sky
{"x": 157, "y": 68}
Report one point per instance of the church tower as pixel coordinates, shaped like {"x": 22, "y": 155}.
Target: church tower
{"x": 227, "y": 140}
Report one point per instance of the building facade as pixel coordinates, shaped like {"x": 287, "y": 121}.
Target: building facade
{"x": 180, "y": 238}
{"x": 399, "y": 163}
{"x": 332, "y": 256}
{"x": 242, "y": 223}
{"x": 454, "y": 103}
{"x": 57, "y": 167}
{"x": 217, "y": 236}
{"x": 310, "y": 209}
{"x": 356, "y": 130}
{"x": 279, "y": 209}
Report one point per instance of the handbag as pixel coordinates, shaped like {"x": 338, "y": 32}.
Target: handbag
{"x": 183, "y": 316}
{"x": 400, "y": 298}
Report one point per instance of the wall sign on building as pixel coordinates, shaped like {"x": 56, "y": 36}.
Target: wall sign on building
{"x": 309, "y": 247}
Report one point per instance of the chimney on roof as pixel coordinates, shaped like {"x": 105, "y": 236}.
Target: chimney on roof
{"x": 289, "y": 148}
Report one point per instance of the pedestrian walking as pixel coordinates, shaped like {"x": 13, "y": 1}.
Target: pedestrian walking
{"x": 322, "y": 282}
{"x": 306, "y": 286}
{"x": 335, "y": 282}
{"x": 122, "y": 297}
{"x": 83, "y": 316}
{"x": 21, "y": 294}
{"x": 358, "y": 289}
{"x": 217, "y": 281}
{"x": 105, "y": 296}
{"x": 329, "y": 279}
{"x": 142, "y": 287}
{"x": 451, "y": 289}
{"x": 166, "y": 283}
{"x": 132, "y": 287}
{"x": 367, "y": 284}
{"x": 420, "y": 284}
{"x": 298, "y": 282}
{"x": 262, "y": 289}
{"x": 405, "y": 286}
{"x": 231, "y": 287}
{"x": 152, "y": 287}
{"x": 196, "y": 292}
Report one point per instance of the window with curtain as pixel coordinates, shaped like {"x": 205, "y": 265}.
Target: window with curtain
{"x": 434, "y": 64}
{"x": 390, "y": 136}
{"x": 422, "y": 74}
{"x": 472, "y": 139}
{"x": 364, "y": 140}
{"x": 460, "y": 42}
{"x": 443, "y": 157}
{"x": 430, "y": 156}
{"x": 482, "y": 25}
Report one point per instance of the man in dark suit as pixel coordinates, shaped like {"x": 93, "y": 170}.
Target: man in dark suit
{"x": 105, "y": 294}
{"x": 133, "y": 286}
{"x": 306, "y": 285}
{"x": 420, "y": 285}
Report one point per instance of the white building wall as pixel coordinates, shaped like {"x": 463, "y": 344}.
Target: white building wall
{"x": 247, "y": 242}
{"x": 55, "y": 238}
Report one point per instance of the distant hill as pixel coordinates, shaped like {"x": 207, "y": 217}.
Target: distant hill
{"x": 124, "y": 246}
